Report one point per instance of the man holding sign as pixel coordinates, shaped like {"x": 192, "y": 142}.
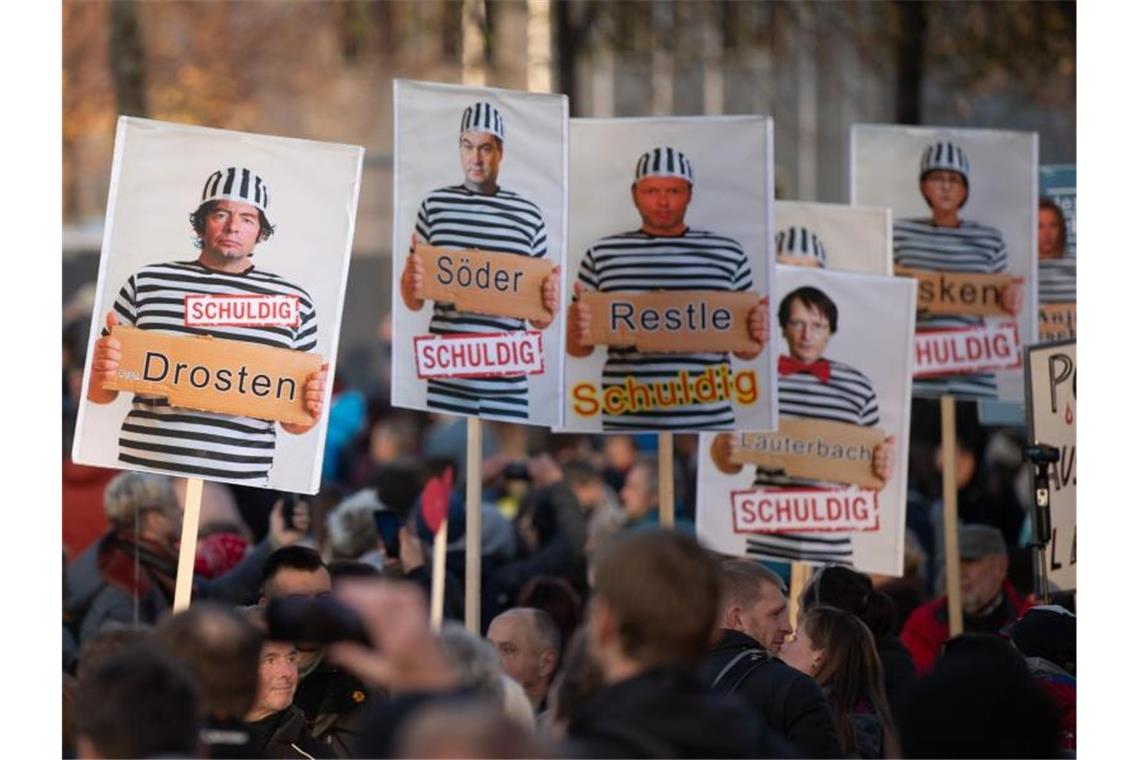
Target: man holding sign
{"x": 947, "y": 243}
{"x": 816, "y": 388}
{"x": 665, "y": 254}
{"x": 222, "y": 295}
{"x": 478, "y": 214}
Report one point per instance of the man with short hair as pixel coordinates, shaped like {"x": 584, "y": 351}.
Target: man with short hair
{"x": 989, "y": 600}
{"x": 811, "y": 386}
{"x": 276, "y": 727}
{"x": 654, "y": 609}
{"x": 528, "y": 643}
{"x": 663, "y": 254}
{"x": 754, "y": 621}
{"x": 140, "y": 703}
{"x": 478, "y": 213}
{"x": 639, "y": 498}
{"x": 330, "y": 698}
{"x": 229, "y": 222}
{"x": 221, "y": 649}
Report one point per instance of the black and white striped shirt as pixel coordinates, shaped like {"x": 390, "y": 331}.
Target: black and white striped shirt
{"x": 969, "y": 247}
{"x": 1057, "y": 280}
{"x": 505, "y": 222}
{"x": 847, "y": 397}
{"x": 190, "y": 442}
{"x": 638, "y": 262}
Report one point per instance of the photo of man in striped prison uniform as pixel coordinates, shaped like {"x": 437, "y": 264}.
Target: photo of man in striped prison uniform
{"x": 478, "y": 214}
{"x": 811, "y": 387}
{"x": 663, "y": 254}
{"x": 230, "y": 220}
{"x": 947, "y": 243}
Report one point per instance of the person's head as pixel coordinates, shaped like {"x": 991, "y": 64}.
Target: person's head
{"x": 577, "y": 680}
{"x": 139, "y": 703}
{"x": 1048, "y": 632}
{"x": 277, "y": 670}
{"x": 850, "y": 590}
{"x": 585, "y": 481}
{"x": 222, "y": 650}
{"x": 350, "y": 527}
{"x": 984, "y": 564}
{"x": 112, "y": 640}
{"x": 143, "y": 502}
{"x": 944, "y": 177}
{"x": 462, "y": 728}
{"x": 980, "y": 700}
{"x": 836, "y": 648}
{"x": 294, "y": 571}
{"x": 662, "y": 188}
{"x": 1052, "y": 231}
{"x": 656, "y": 595}
{"x": 639, "y": 494}
{"x": 808, "y": 319}
{"x": 754, "y": 603}
{"x": 474, "y": 660}
{"x": 231, "y": 215}
{"x": 800, "y": 247}
{"x": 481, "y": 134}
{"x": 528, "y": 643}
{"x": 557, "y": 598}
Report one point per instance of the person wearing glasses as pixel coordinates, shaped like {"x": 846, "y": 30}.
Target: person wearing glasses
{"x": 811, "y": 386}
{"x": 946, "y": 242}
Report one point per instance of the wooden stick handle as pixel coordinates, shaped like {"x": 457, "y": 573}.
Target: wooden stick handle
{"x": 438, "y": 567}
{"x": 950, "y": 515}
{"x": 474, "y": 531}
{"x": 665, "y": 479}
{"x": 801, "y": 573}
{"x": 184, "y": 581}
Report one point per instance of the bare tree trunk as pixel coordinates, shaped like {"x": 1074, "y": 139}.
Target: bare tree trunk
{"x": 538, "y": 42}
{"x": 911, "y": 60}
{"x": 474, "y": 43}
{"x": 128, "y": 64}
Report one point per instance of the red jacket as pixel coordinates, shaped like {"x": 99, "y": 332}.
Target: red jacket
{"x": 928, "y": 627}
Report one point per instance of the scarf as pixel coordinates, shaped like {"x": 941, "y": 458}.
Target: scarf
{"x": 156, "y": 566}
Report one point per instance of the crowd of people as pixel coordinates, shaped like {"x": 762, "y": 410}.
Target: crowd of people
{"x": 602, "y": 634}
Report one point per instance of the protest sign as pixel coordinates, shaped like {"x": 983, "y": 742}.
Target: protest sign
{"x": 218, "y": 306}
{"x": 834, "y": 236}
{"x": 964, "y": 203}
{"x": 1051, "y": 380}
{"x": 830, "y": 484}
{"x": 666, "y": 210}
{"x": 479, "y": 233}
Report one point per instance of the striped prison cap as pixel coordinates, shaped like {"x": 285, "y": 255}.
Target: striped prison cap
{"x": 800, "y": 241}
{"x": 237, "y": 183}
{"x": 945, "y": 155}
{"x": 663, "y": 162}
{"x": 482, "y": 117}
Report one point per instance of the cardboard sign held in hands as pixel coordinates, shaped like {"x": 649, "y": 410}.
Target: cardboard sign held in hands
{"x": 816, "y": 449}
{"x": 964, "y": 293}
{"x": 1056, "y": 321}
{"x": 672, "y": 320}
{"x": 484, "y": 282}
{"x": 215, "y": 374}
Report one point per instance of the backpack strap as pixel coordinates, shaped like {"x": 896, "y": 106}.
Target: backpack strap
{"x": 752, "y": 657}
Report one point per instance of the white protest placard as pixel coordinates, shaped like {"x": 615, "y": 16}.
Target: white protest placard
{"x": 670, "y": 210}
{"x": 964, "y": 203}
{"x": 480, "y": 195}
{"x": 833, "y": 236}
{"x": 830, "y": 485}
{"x": 224, "y": 262}
{"x": 1051, "y": 389}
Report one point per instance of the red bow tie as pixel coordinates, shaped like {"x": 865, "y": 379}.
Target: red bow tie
{"x": 821, "y": 368}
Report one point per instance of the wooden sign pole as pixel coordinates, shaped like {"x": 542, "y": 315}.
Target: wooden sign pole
{"x": 665, "y": 479}
{"x": 950, "y": 515}
{"x": 474, "y": 531}
{"x": 184, "y": 581}
{"x": 438, "y": 575}
{"x": 801, "y": 573}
